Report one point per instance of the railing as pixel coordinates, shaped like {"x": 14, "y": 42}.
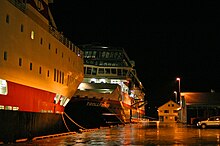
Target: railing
{"x": 59, "y": 36}
{"x": 21, "y": 6}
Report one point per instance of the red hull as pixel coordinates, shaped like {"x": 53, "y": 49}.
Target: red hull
{"x": 29, "y": 99}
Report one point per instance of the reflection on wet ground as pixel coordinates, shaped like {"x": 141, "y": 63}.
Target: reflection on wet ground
{"x": 137, "y": 134}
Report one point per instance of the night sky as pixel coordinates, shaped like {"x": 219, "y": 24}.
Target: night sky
{"x": 166, "y": 39}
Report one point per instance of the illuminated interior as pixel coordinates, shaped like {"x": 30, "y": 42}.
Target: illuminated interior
{"x": 3, "y": 87}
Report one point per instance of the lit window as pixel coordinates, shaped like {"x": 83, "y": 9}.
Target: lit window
{"x": 8, "y": 107}
{"x": 15, "y": 108}
{"x": 57, "y": 98}
{"x": 1, "y": 107}
{"x": 32, "y": 35}
{"x": 62, "y": 100}
{"x": 3, "y": 87}
{"x": 65, "y": 103}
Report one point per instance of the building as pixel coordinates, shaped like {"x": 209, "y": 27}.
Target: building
{"x": 198, "y": 105}
{"x": 168, "y": 112}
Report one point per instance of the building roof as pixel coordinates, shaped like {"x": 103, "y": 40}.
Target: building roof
{"x": 169, "y": 102}
{"x": 201, "y": 98}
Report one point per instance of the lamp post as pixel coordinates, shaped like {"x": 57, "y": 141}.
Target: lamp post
{"x": 175, "y": 96}
{"x": 180, "y": 101}
{"x": 178, "y": 79}
{"x": 179, "y": 92}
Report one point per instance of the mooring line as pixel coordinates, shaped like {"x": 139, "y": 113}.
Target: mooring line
{"x": 74, "y": 121}
{"x": 65, "y": 123}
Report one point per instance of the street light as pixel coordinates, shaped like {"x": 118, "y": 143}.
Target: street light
{"x": 178, "y": 79}
{"x": 175, "y": 96}
{"x": 179, "y": 92}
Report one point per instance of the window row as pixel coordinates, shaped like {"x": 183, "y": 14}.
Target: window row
{"x": 58, "y": 36}
{"x": 112, "y": 71}
{"x": 104, "y": 63}
{"x": 8, "y": 107}
{"x": 58, "y": 75}
{"x": 103, "y": 54}
{"x": 168, "y": 111}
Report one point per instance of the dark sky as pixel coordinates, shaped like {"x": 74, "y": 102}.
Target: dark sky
{"x": 166, "y": 39}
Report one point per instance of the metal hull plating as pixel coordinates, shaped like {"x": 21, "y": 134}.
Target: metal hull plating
{"x": 40, "y": 70}
{"x": 93, "y": 113}
{"x": 92, "y": 109}
{"x": 96, "y": 113}
{"x": 17, "y": 125}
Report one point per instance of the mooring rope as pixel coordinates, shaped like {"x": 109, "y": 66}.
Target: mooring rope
{"x": 65, "y": 123}
{"x": 74, "y": 121}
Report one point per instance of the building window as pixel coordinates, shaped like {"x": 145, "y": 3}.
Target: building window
{"x": 32, "y": 35}
{"x": 175, "y": 111}
{"x": 31, "y": 67}
{"x": 89, "y": 70}
{"x": 39, "y": 70}
{"x": 2, "y": 107}
{"x": 22, "y": 28}
{"x": 57, "y": 79}
{"x": 56, "y": 51}
{"x": 101, "y": 70}
{"x": 166, "y": 111}
{"x": 20, "y": 62}
{"x": 5, "y": 55}
{"x": 8, "y": 107}
{"x": 41, "y": 41}
{"x": 62, "y": 77}
{"x": 3, "y": 87}
{"x": 7, "y": 19}
{"x": 48, "y": 73}
{"x": 15, "y": 108}
{"x": 49, "y": 46}
{"x": 55, "y": 73}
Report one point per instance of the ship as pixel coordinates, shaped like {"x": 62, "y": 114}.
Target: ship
{"x": 111, "y": 93}
{"x": 40, "y": 71}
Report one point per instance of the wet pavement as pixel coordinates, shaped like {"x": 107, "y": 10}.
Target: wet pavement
{"x": 151, "y": 134}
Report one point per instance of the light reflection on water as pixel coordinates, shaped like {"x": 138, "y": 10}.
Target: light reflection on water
{"x": 138, "y": 134}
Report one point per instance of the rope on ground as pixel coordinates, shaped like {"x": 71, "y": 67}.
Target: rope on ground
{"x": 65, "y": 123}
{"x": 74, "y": 121}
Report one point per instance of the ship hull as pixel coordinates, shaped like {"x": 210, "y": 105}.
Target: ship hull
{"x": 95, "y": 113}
{"x": 17, "y": 125}
{"x": 35, "y": 85}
